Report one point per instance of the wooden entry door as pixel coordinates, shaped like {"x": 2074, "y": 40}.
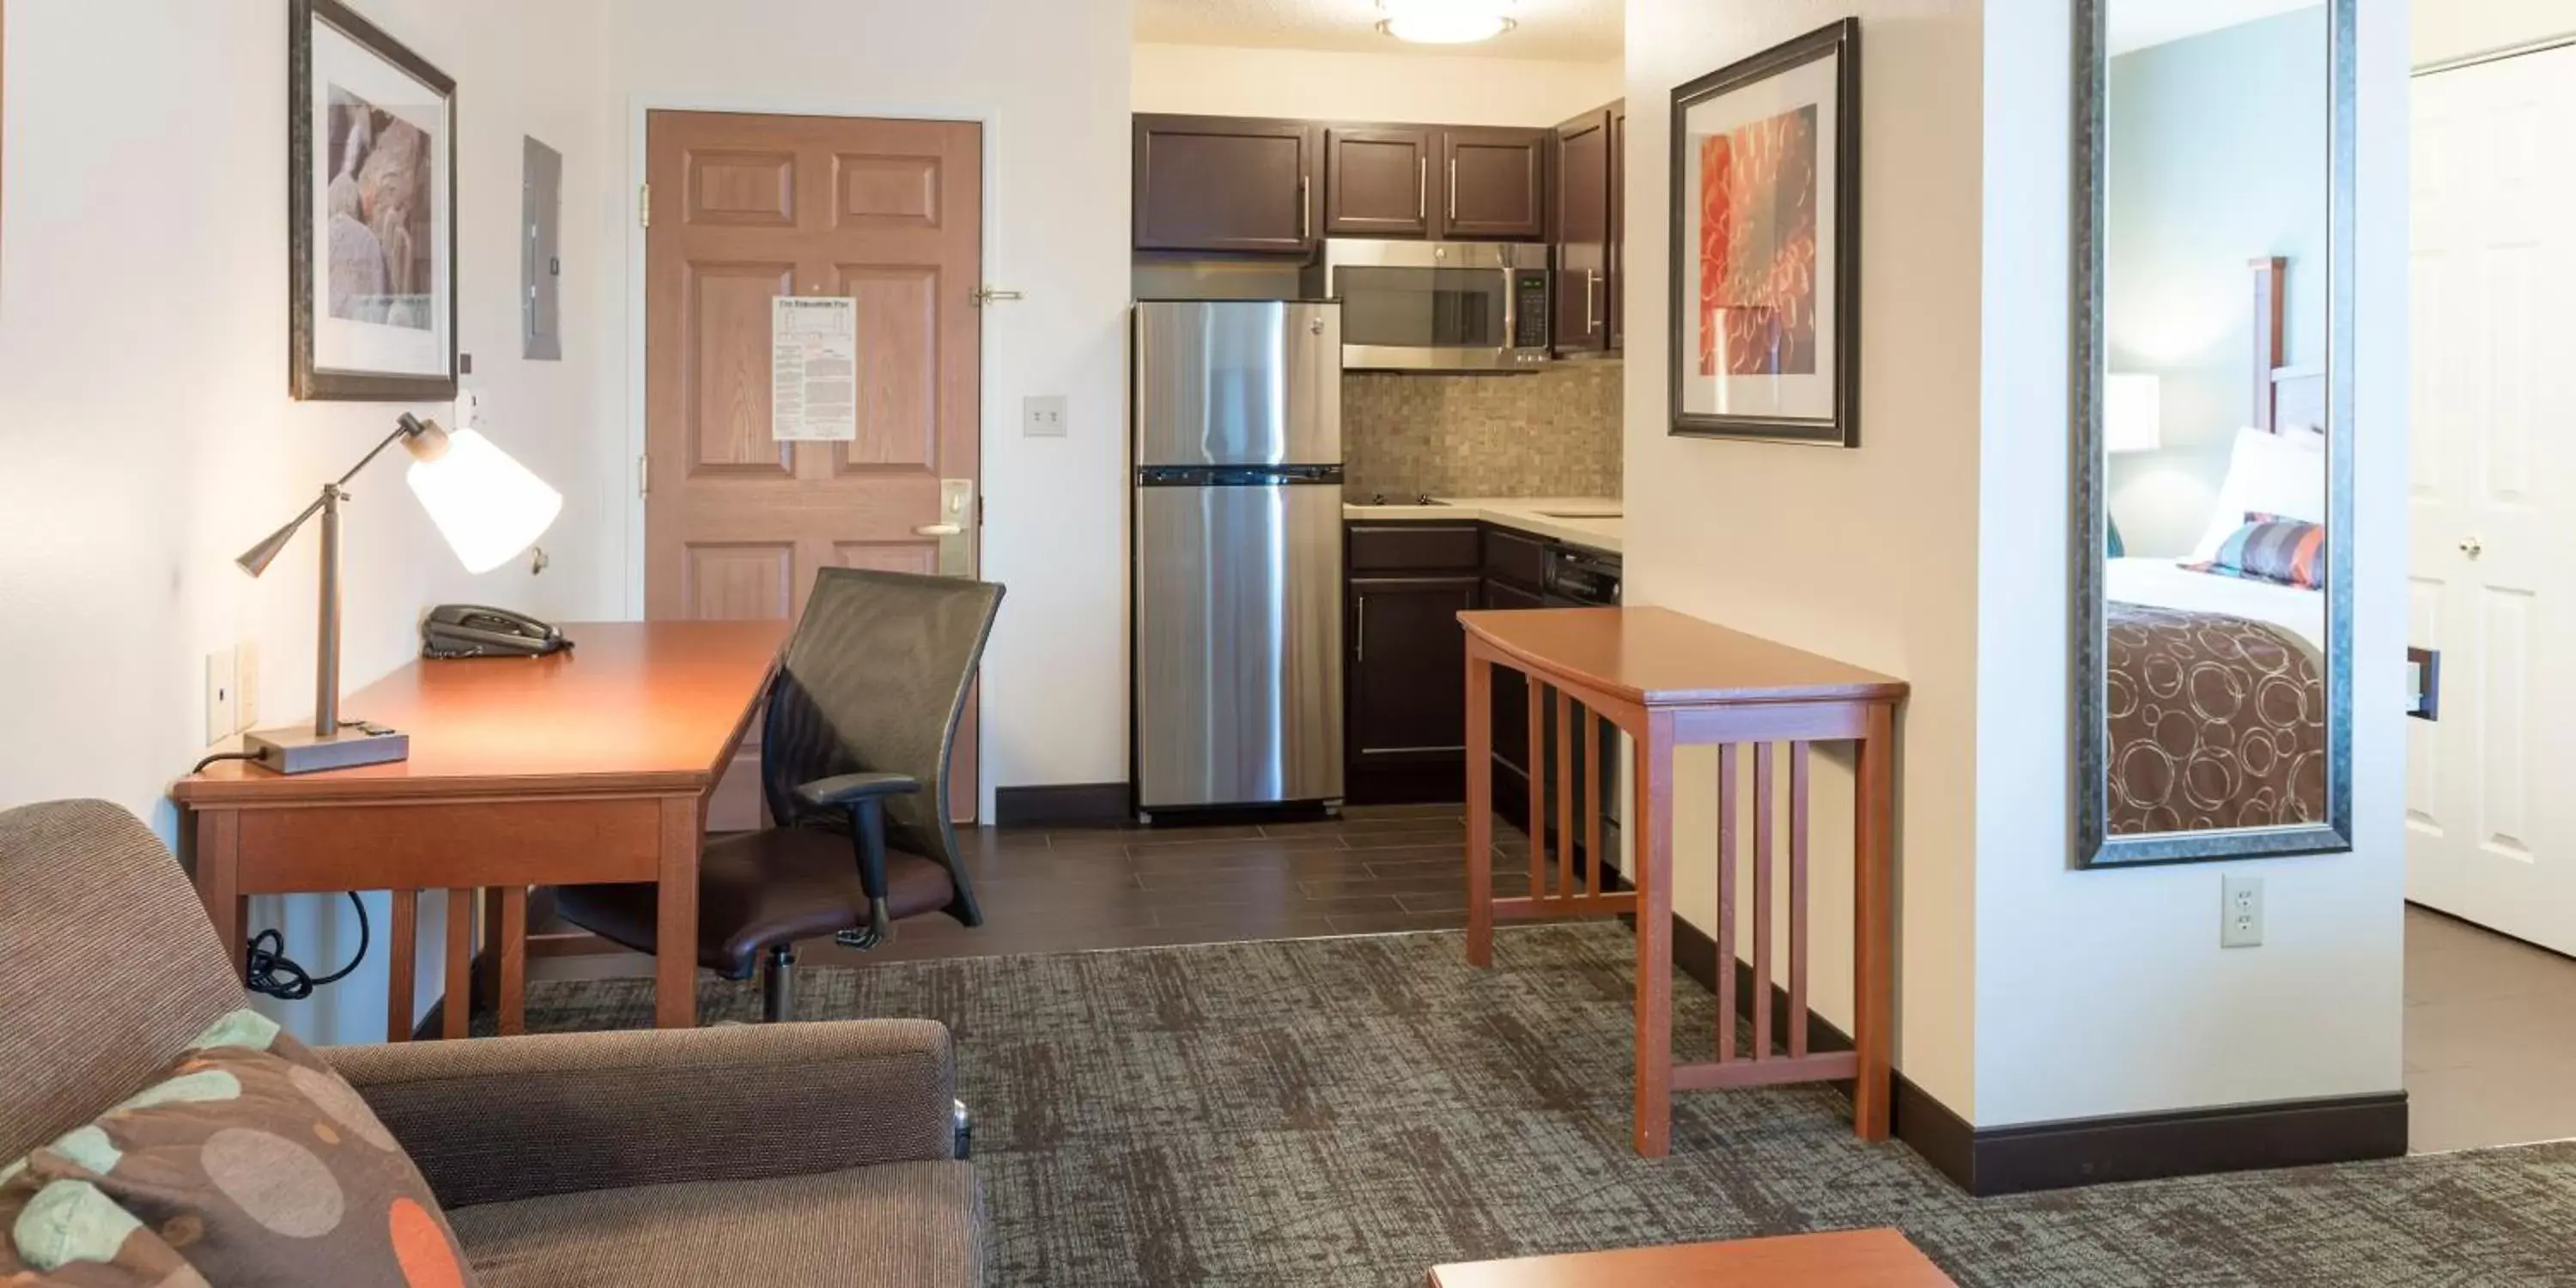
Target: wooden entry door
{"x": 743, "y": 209}
{"x": 2491, "y": 832}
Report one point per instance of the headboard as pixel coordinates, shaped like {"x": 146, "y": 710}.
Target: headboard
{"x": 2285, "y": 397}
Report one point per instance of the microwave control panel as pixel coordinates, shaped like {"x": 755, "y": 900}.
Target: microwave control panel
{"x": 1530, "y": 309}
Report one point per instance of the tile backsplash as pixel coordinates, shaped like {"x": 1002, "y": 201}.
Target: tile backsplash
{"x": 1556, "y": 433}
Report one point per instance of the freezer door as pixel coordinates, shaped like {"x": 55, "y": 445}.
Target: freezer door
{"x": 1238, "y": 382}
{"x": 1238, "y": 645}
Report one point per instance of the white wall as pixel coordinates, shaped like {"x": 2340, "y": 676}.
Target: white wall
{"x": 1314, "y": 84}
{"x": 2106, "y": 992}
{"x": 2446, "y": 29}
{"x": 145, "y": 432}
{"x": 1050, "y": 81}
{"x": 1866, "y": 555}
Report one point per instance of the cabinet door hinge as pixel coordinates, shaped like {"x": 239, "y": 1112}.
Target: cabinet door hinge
{"x": 643, "y": 476}
{"x": 644, "y": 205}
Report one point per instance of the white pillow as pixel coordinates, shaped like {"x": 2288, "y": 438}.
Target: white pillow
{"x": 2283, "y": 474}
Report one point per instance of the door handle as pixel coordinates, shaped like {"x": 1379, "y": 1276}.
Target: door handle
{"x": 1422, "y": 190}
{"x": 939, "y": 530}
{"x": 955, "y": 530}
{"x": 1305, "y": 212}
{"x": 2473, "y": 547}
{"x": 1359, "y": 622}
{"x": 1591, "y": 282}
{"x": 1453, "y": 190}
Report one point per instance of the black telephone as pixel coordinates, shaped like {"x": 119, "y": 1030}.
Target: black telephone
{"x": 468, "y": 630}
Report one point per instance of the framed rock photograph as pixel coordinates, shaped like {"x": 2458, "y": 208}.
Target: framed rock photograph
{"x": 1766, "y": 245}
{"x": 372, "y": 224}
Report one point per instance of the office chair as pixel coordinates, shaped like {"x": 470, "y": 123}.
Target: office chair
{"x": 854, "y": 763}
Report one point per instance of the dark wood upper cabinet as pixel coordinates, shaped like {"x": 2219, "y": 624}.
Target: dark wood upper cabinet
{"x": 1226, "y": 184}
{"x": 1618, "y": 226}
{"x": 1377, "y": 181}
{"x": 1582, "y": 217}
{"x": 1493, "y": 183}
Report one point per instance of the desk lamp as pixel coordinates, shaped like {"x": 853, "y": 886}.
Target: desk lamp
{"x": 488, "y": 506}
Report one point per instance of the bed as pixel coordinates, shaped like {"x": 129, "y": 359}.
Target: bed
{"x": 2216, "y": 684}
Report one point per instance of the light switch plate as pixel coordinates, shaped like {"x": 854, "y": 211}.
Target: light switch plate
{"x": 223, "y": 712}
{"x": 246, "y": 685}
{"x": 1042, "y": 416}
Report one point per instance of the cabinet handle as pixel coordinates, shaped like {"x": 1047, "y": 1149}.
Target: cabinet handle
{"x": 1359, "y": 620}
{"x": 1305, "y": 212}
{"x": 1591, "y": 318}
{"x": 1453, "y": 190}
{"x": 1422, "y": 191}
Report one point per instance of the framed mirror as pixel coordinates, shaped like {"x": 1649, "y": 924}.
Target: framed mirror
{"x": 2212, "y": 405}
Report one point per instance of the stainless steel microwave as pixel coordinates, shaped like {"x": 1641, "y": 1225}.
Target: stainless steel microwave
{"x": 1438, "y": 306}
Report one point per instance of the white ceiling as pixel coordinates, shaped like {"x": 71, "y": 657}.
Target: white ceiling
{"x": 2137, "y": 24}
{"x": 1587, "y": 30}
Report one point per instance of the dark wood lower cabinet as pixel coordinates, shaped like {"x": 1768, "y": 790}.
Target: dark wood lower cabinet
{"x": 1409, "y": 672}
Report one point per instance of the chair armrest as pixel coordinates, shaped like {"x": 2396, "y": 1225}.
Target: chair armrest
{"x": 849, "y": 789}
{"x": 496, "y": 1119}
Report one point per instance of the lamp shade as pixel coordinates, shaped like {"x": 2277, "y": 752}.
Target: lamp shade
{"x": 1445, "y": 22}
{"x": 488, "y": 506}
{"x": 2133, "y": 413}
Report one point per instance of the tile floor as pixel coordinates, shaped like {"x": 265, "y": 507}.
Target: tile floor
{"x": 2490, "y": 1037}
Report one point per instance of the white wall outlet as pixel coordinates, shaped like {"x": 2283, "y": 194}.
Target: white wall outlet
{"x": 469, "y": 411}
{"x": 223, "y": 711}
{"x": 1043, "y": 416}
{"x": 2240, "y": 912}
{"x": 246, "y": 685}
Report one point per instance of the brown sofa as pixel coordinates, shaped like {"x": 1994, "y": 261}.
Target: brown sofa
{"x": 780, "y": 1154}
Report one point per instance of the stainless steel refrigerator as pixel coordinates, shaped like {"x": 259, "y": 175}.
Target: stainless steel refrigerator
{"x": 1238, "y": 539}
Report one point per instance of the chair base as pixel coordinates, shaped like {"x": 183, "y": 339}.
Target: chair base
{"x": 778, "y": 986}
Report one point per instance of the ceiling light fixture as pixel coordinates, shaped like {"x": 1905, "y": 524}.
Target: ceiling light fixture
{"x": 1445, "y": 22}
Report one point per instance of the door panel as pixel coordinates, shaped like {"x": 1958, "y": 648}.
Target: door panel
{"x": 1225, "y": 184}
{"x": 1497, "y": 184}
{"x": 1377, "y": 182}
{"x": 1250, "y": 382}
{"x": 888, "y": 213}
{"x": 1409, "y": 676}
{"x": 1582, "y": 216}
{"x": 1221, "y": 639}
{"x": 2494, "y": 228}
{"x": 1618, "y": 252}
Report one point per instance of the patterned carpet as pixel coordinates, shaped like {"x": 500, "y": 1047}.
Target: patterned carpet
{"x": 1353, "y": 1111}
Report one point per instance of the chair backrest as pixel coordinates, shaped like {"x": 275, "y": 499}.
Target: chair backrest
{"x": 108, "y": 966}
{"x": 874, "y": 681}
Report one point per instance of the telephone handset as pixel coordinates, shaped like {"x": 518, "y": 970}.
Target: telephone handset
{"x": 470, "y": 630}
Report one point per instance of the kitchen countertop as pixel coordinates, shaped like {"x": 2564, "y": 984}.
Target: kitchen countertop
{"x": 1592, "y": 522}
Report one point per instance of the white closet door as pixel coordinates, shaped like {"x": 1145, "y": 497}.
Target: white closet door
{"x": 2491, "y": 788}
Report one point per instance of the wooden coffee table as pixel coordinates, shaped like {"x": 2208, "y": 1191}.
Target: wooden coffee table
{"x": 1850, "y": 1259}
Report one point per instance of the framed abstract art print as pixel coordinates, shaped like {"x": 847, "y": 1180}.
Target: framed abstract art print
{"x": 1766, "y": 245}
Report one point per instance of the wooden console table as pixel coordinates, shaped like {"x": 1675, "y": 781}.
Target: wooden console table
{"x": 1671, "y": 681}
{"x": 588, "y": 766}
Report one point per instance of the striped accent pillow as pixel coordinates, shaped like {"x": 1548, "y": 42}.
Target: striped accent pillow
{"x": 2285, "y": 552}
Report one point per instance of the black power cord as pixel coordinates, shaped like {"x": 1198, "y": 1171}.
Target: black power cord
{"x": 270, "y": 971}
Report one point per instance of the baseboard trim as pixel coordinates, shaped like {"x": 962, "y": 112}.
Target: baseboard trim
{"x": 1062, "y": 805}
{"x": 2027, "y": 1157}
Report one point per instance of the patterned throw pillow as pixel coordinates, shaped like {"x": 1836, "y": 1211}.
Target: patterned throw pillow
{"x": 248, "y": 1162}
{"x": 2286, "y": 552}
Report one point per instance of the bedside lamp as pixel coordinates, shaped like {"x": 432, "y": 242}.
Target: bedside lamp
{"x": 487, "y": 506}
{"x": 2133, "y": 413}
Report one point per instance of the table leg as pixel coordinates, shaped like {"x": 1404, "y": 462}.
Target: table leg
{"x": 487, "y": 963}
{"x": 1874, "y": 925}
{"x": 511, "y": 998}
{"x": 1480, "y": 807}
{"x": 675, "y": 931}
{"x": 219, "y": 882}
{"x": 1654, "y": 883}
{"x": 456, "y": 1010}
{"x": 402, "y": 943}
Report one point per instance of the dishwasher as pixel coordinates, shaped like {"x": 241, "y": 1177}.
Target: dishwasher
{"x": 1580, "y": 578}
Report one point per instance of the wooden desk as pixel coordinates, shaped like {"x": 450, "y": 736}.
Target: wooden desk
{"x": 1850, "y": 1259}
{"x": 1670, "y": 681}
{"x": 589, "y": 766}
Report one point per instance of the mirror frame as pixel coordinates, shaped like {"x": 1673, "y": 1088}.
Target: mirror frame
{"x": 2094, "y": 846}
